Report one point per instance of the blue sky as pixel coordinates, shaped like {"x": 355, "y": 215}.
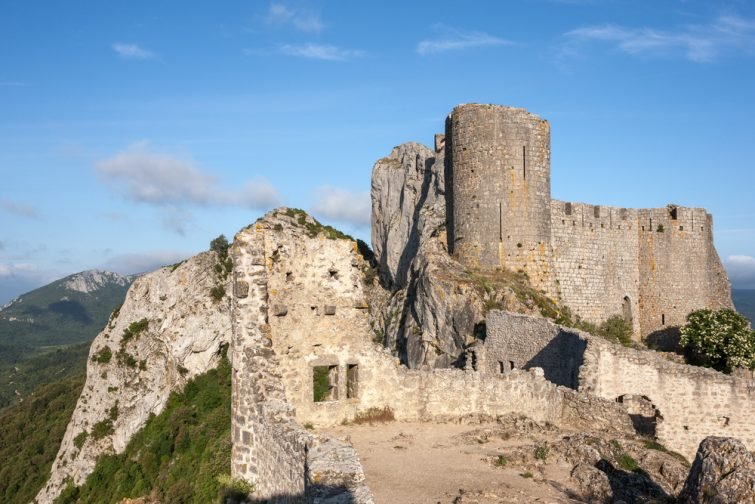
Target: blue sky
{"x": 132, "y": 133}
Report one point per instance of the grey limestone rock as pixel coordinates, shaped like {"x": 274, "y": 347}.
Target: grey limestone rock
{"x": 408, "y": 206}
{"x": 723, "y": 472}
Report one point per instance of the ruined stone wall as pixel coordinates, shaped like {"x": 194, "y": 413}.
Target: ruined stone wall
{"x": 596, "y": 260}
{"x": 268, "y": 447}
{"x": 499, "y": 175}
{"x": 679, "y": 268}
{"x": 692, "y": 402}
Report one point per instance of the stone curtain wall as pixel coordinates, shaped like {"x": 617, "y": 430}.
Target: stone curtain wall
{"x": 596, "y": 260}
{"x": 679, "y": 268}
{"x": 269, "y": 449}
{"x": 693, "y": 402}
{"x": 500, "y": 189}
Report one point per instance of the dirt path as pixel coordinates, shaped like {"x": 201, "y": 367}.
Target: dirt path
{"x": 418, "y": 463}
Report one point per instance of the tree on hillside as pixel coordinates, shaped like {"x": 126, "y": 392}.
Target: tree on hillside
{"x": 722, "y": 340}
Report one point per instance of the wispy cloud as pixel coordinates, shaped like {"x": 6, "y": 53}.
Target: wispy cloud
{"x": 19, "y": 209}
{"x": 301, "y": 19}
{"x": 163, "y": 179}
{"x": 700, "y": 43}
{"x": 741, "y": 270}
{"x": 133, "y": 51}
{"x": 320, "y": 52}
{"x": 454, "y": 40}
{"x": 342, "y": 205}
{"x": 176, "y": 219}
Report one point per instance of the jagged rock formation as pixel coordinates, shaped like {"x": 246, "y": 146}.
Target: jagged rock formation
{"x": 168, "y": 330}
{"x": 723, "y": 472}
{"x": 408, "y": 206}
{"x": 91, "y": 280}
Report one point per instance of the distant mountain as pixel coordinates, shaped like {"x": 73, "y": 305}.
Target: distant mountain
{"x": 744, "y": 300}
{"x": 45, "y": 334}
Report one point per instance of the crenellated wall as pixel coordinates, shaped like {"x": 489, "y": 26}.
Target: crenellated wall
{"x": 652, "y": 266}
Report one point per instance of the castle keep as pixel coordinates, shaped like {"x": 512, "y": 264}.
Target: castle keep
{"x": 652, "y": 266}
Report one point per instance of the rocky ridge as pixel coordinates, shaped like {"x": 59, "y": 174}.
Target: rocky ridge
{"x": 169, "y": 330}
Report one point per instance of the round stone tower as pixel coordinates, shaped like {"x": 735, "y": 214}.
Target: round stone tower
{"x": 498, "y": 173}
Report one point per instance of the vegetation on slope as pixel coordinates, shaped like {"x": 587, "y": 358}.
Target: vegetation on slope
{"x": 19, "y": 379}
{"x": 180, "y": 456}
{"x": 30, "y": 437}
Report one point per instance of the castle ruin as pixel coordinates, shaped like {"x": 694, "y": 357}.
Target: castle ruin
{"x": 652, "y": 266}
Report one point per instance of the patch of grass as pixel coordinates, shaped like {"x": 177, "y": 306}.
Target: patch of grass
{"x": 321, "y": 383}
{"x": 133, "y": 330}
{"x": 651, "y": 444}
{"x": 626, "y": 462}
{"x": 541, "y": 452}
{"x": 103, "y": 356}
{"x": 314, "y": 227}
{"x": 374, "y": 415}
{"x": 526, "y": 475}
{"x": 79, "y": 440}
{"x": 500, "y": 461}
{"x": 309, "y": 426}
{"x": 126, "y": 359}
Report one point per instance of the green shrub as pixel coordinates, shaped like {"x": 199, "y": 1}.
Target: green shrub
{"x": 501, "y": 461}
{"x": 372, "y": 415}
{"x": 616, "y": 328}
{"x": 79, "y": 440}
{"x": 217, "y": 293}
{"x": 660, "y": 228}
{"x": 103, "y": 356}
{"x": 234, "y": 489}
{"x": 126, "y": 359}
{"x": 541, "y": 452}
{"x": 102, "y": 428}
{"x": 133, "y": 330}
{"x": 526, "y": 475}
{"x": 719, "y": 339}
{"x": 321, "y": 382}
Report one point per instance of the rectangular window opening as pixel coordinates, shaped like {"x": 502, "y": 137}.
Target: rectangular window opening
{"x": 524, "y": 161}
{"x": 663, "y": 319}
{"x": 325, "y": 383}
{"x": 511, "y": 365}
{"x": 501, "y": 367}
{"x": 352, "y": 381}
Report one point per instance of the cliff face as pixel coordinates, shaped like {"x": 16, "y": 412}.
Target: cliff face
{"x": 168, "y": 330}
{"x": 437, "y": 306}
{"x": 408, "y": 206}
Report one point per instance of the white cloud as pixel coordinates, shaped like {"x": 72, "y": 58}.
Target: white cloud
{"x": 301, "y": 19}
{"x": 454, "y": 40}
{"x": 19, "y": 209}
{"x": 342, "y": 205}
{"x": 133, "y": 51}
{"x": 130, "y": 264}
{"x": 741, "y": 270}
{"x": 163, "y": 179}
{"x": 698, "y": 43}
{"x": 320, "y": 52}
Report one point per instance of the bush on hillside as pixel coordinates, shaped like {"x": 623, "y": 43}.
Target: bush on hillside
{"x": 722, "y": 340}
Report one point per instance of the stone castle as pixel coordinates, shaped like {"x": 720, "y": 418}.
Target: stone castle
{"x": 304, "y": 305}
{"x": 652, "y": 266}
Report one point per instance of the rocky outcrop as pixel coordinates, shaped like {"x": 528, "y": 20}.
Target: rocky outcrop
{"x": 723, "y": 472}
{"x": 169, "y": 329}
{"x": 408, "y": 206}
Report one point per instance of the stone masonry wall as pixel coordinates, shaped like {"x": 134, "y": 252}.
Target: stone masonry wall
{"x": 692, "y": 402}
{"x": 269, "y": 449}
{"x": 596, "y": 260}
{"x": 679, "y": 268}
{"x": 499, "y": 212}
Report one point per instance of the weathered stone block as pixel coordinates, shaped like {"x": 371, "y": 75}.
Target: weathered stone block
{"x": 240, "y": 289}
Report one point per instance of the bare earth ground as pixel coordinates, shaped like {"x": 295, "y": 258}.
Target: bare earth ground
{"x": 444, "y": 463}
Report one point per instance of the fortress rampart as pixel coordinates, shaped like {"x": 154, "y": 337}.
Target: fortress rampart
{"x": 652, "y": 266}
